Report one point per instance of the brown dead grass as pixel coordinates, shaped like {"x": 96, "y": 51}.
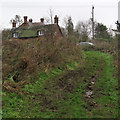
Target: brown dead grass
{"x": 109, "y": 47}
{"x": 22, "y": 58}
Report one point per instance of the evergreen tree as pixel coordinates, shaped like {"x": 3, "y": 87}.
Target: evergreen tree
{"x": 118, "y": 26}
{"x": 70, "y": 26}
{"x": 101, "y": 31}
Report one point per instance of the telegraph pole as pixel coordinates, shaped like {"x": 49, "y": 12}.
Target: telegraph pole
{"x": 93, "y": 21}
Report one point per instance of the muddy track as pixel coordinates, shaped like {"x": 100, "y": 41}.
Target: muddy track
{"x": 88, "y": 96}
{"x": 69, "y": 82}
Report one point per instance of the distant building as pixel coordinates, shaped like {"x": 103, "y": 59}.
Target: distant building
{"x": 31, "y": 29}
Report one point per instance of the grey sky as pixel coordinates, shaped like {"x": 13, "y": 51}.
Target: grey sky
{"x": 106, "y": 11}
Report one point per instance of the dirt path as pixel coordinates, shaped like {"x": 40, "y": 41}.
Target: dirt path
{"x": 90, "y": 92}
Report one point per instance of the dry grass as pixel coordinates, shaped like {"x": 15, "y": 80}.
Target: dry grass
{"x": 24, "y": 57}
{"x": 109, "y": 47}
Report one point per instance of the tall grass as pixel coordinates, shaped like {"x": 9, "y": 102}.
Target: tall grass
{"x": 26, "y": 56}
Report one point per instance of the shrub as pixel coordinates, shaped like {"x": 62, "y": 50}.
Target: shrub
{"x": 23, "y": 57}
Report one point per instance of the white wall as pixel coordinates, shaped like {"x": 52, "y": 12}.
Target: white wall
{"x": 119, "y": 11}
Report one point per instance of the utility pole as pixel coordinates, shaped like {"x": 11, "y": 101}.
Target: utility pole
{"x": 93, "y": 22}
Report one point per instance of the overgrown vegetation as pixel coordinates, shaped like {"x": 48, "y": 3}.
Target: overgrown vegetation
{"x": 56, "y": 78}
{"x": 5, "y": 34}
{"x": 31, "y": 55}
{"x": 62, "y": 94}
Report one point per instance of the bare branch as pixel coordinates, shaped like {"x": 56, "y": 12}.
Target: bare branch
{"x": 51, "y": 13}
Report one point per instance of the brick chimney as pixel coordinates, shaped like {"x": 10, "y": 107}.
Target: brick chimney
{"x": 55, "y": 19}
{"x": 42, "y": 20}
{"x": 25, "y": 19}
{"x": 30, "y": 20}
{"x": 13, "y": 24}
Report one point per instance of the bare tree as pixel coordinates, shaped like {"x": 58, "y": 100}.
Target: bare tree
{"x": 51, "y": 13}
{"x": 47, "y": 20}
{"x": 64, "y": 31}
{"x": 65, "y": 21}
{"x": 84, "y": 29}
{"x": 110, "y": 31}
{"x": 17, "y": 19}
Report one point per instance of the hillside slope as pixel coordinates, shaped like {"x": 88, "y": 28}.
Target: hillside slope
{"x": 26, "y": 56}
{"x": 87, "y": 90}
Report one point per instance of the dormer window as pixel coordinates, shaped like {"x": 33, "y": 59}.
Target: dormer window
{"x": 15, "y": 35}
{"x": 40, "y": 33}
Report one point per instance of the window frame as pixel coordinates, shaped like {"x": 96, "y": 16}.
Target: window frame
{"x": 15, "y": 35}
{"x": 40, "y": 32}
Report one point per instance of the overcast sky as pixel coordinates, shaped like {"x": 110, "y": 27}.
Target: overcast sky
{"x": 106, "y": 11}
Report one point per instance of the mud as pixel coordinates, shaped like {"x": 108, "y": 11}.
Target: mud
{"x": 69, "y": 81}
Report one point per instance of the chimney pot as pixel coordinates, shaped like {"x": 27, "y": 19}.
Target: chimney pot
{"x": 56, "y": 19}
{"x": 14, "y": 24}
{"x": 42, "y": 20}
{"x": 25, "y": 19}
{"x": 30, "y": 20}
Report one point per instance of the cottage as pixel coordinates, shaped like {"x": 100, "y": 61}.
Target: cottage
{"x": 31, "y": 29}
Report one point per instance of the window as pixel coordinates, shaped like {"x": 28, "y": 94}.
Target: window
{"x": 15, "y": 35}
{"x": 40, "y": 33}
{"x": 55, "y": 33}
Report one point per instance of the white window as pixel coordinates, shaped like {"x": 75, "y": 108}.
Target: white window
{"x": 55, "y": 33}
{"x": 15, "y": 35}
{"x": 40, "y": 33}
